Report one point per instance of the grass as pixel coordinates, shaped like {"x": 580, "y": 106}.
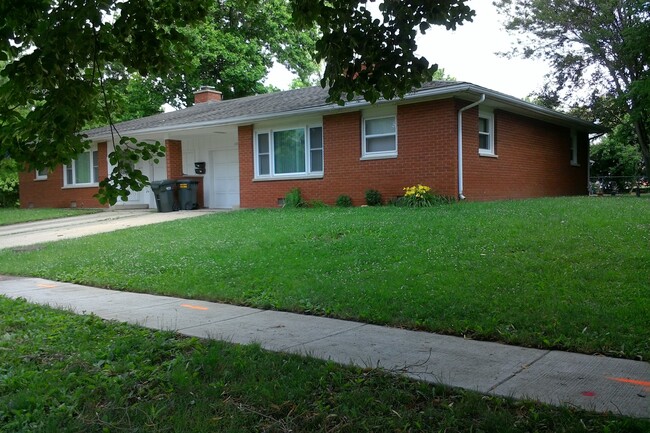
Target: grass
{"x": 568, "y": 274}
{"x": 15, "y": 216}
{"x": 66, "y": 373}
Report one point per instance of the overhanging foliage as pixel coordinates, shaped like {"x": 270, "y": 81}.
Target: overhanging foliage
{"x": 59, "y": 53}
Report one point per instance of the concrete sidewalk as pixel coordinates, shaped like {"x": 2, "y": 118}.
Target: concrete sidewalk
{"x": 590, "y": 382}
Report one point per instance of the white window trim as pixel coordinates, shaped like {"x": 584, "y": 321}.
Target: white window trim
{"x": 92, "y": 149}
{"x": 81, "y": 185}
{"x": 39, "y": 176}
{"x": 365, "y": 155}
{"x": 574, "y": 148}
{"x": 490, "y": 118}
{"x": 307, "y": 174}
{"x": 256, "y": 154}
{"x": 308, "y": 150}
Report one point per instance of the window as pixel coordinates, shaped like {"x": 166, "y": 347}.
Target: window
{"x": 574, "y": 148}
{"x": 316, "y": 149}
{"x": 42, "y": 174}
{"x": 486, "y": 134}
{"x": 289, "y": 152}
{"x": 84, "y": 170}
{"x": 379, "y": 137}
{"x": 264, "y": 155}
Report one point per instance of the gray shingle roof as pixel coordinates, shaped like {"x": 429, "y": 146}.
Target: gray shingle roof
{"x": 268, "y": 104}
{"x": 272, "y": 105}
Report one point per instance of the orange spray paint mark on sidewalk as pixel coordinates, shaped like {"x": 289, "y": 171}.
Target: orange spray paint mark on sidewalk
{"x": 643, "y": 383}
{"x": 47, "y": 286}
{"x": 194, "y": 307}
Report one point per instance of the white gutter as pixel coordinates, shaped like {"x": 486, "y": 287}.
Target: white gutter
{"x": 460, "y": 144}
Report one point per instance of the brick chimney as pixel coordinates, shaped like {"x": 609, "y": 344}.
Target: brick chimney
{"x": 207, "y": 94}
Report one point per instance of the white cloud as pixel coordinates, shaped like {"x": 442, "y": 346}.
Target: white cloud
{"x": 280, "y": 77}
{"x": 469, "y": 54}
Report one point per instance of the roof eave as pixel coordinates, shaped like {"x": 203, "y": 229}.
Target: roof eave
{"x": 242, "y": 120}
{"x": 232, "y": 121}
{"x": 536, "y": 111}
{"x": 460, "y": 89}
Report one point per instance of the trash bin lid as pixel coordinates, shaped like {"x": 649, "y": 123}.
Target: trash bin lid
{"x": 165, "y": 184}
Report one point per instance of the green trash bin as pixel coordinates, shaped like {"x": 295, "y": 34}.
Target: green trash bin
{"x": 164, "y": 192}
{"x": 187, "y": 194}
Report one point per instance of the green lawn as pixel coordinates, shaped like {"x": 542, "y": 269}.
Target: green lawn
{"x": 15, "y": 216}
{"x": 65, "y": 373}
{"x": 569, "y": 273}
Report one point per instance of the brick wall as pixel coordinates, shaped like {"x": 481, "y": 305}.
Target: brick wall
{"x": 51, "y": 193}
{"x": 426, "y": 154}
{"x": 428, "y": 137}
{"x": 533, "y": 160}
{"x": 174, "y": 158}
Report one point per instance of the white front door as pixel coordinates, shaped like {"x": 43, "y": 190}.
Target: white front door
{"x": 146, "y": 196}
{"x": 224, "y": 191}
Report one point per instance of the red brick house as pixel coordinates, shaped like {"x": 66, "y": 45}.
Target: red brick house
{"x": 462, "y": 140}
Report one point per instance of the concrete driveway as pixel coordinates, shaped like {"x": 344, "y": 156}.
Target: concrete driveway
{"x": 32, "y": 233}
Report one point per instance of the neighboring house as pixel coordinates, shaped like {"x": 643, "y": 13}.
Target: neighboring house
{"x": 462, "y": 140}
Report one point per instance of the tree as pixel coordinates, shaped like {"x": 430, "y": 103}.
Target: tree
{"x": 60, "y": 53}
{"x": 128, "y": 96}
{"x": 616, "y": 154}
{"x": 8, "y": 182}
{"x": 373, "y": 57}
{"x": 234, "y": 47}
{"x": 598, "y": 51}
{"x": 441, "y": 75}
{"x": 8, "y": 169}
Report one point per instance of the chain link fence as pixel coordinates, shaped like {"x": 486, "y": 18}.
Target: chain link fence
{"x": 619, "y": 185}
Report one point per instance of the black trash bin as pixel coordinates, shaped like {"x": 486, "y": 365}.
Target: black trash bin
{"x": 164, "y": 193}
{"x": 187, "y": 194}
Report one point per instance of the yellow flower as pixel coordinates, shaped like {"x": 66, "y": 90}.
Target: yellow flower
{"x": 419, "y": 190}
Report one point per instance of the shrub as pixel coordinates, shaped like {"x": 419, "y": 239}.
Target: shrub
{"x": 373, "y": 197}
{"x": 293, "y": 198}
{"x": 8, "y": 183}
{"x": 344, "y": 201}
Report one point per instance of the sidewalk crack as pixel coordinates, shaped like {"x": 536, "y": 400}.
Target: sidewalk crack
{"x": 524, "y": 367}
{"x": 361, "y": 325}
{"x": 212, "y": 322}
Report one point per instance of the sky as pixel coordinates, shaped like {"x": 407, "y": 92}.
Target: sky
{"x": 469, "y": 54}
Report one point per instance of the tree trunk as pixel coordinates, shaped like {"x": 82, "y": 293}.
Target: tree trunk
{"x": 643, "y": 136}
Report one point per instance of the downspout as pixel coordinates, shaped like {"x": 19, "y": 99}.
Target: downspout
{"x": 460, "y": 144}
